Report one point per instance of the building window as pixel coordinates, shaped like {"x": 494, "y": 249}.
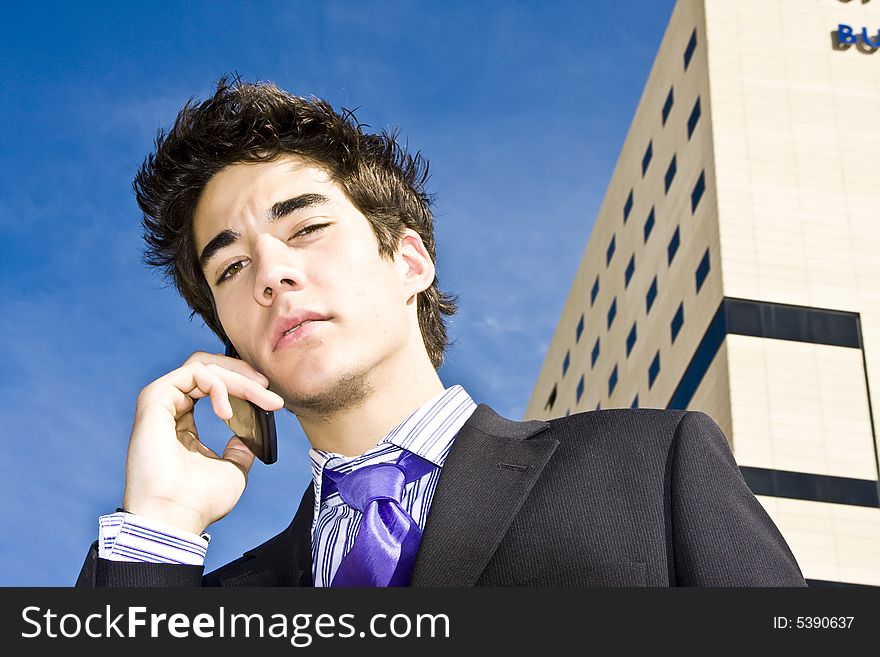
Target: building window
{"x": 689, "y": 51}
{"x": 703, "y": 270}
{"x": 551, "y": 399}
{"x": 565, "y": 362}
{"x": 612, "y": 381}
{"x": 630, "y": 270}
{"x": 694, "y": 118}
{"x": 670, "y": 174}
{"x": 612, "y": 312}
{"x": 594, "y": 292}
{"x": 677, "y": 321}
{"x": 610, "y": 252}
{"x": 580, "y": 389}
{"x": 595, "y": 355}
{"x": 635, "y": 403}
{"x": 631, "y": 339}
{"x": 628, "y": 206}
{"x": 646, "y": 160}
{"x": 673, "y": 245}
{"x": 667, "y": 106}
{"x": 654, "y": 369}
{"x": 580, "y": 329}
{"x": 699, "y": 188}
{"x": 649, "y": 224}
{"x": 651, "y": 295}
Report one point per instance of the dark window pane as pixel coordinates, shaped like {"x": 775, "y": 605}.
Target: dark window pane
{"x": 649, "y": 224}
{"x": 654, "y": 369}
{"x": 670, "y": 173}
{"x": 594, "y": 292}
{"x": 580, "y": 329}
{"x": 651, "y": 295}
{"x": 612, "y": 312}
{"x": 551, "y": 399}
{"x": 630, "y": 270}
{"x": 703, "y": 270}
{"x": 673, "y": 246}
{"x": 689, "y": 51}
{"x": 677, "y": 321}
{"x": 631, "y": 339}
{"x": 694, "y": 118}
{"x": 565, "y": 362}
{"x": 814, "y": 487}
{"x": 612, "y": 381}
{"x": 667, "y": 106}
{"x": 610, "y": 252}
{"x": 697, "y": 194}
{"x": 595, "y": 355}
{"x": 580, "y": 388}
{"x": 784, "y": 322}
{"x": 646, "y": 160}
{"x": 700, "y": 361}
{"x": 628, "y": 206}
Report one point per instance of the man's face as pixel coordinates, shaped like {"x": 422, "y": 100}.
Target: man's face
{"x": 280, "y": 244}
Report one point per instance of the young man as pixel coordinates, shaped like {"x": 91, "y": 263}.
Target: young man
{"x": 309, "y": 245}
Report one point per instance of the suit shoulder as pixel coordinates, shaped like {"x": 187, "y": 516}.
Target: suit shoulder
{"x": 623, "y": 427}
{"x": 626, "y": 419}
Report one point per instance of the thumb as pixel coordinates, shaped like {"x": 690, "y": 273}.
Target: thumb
{"x": 239, "y": 455}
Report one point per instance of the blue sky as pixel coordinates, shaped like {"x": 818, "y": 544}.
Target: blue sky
{"x": 521, "y": 108}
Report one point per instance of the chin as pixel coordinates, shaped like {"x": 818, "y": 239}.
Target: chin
{"x": 323, "y": 393}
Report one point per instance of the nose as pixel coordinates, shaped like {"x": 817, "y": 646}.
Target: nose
{"x": 276, "y": 270}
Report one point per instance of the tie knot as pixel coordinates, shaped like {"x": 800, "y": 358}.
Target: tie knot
{"x": 371, "y": 483}
{"x": 378, "y": 481}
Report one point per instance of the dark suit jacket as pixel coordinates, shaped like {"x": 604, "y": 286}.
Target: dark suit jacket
{"x": 629, "y": 497}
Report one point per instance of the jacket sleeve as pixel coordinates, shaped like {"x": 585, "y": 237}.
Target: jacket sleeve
{"x": 722, "y": 536}
{"x": 102, "y": 572}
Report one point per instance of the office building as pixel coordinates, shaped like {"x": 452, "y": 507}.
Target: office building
{"x": 734, "y": 265}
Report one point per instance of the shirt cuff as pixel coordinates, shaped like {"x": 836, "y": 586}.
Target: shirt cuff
{"x": 127, "y": 537}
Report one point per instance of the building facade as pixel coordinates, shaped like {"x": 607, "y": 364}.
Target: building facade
{"x": 734, "y": 265}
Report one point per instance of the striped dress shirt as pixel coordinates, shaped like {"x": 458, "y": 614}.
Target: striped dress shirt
{"x": 428, "y": 432}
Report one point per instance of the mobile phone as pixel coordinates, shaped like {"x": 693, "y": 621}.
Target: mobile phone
{"x": 253, "y": 425}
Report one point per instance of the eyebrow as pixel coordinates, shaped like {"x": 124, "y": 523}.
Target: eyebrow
{"x": 277, "y": 211}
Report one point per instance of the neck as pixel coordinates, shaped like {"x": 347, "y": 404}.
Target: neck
{"x": 390, "y": 400}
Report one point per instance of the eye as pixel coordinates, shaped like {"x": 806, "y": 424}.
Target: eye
{"x": 311, "y": 229}
{"x": 230, "y": 272}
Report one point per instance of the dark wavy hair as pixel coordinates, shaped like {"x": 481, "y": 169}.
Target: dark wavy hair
{"x": 258, "y": 122}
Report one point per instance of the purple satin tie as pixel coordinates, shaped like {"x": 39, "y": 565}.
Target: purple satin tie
{"x": 384, "y": 551}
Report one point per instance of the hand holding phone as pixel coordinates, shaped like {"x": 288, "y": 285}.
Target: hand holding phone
{"x": 171, "y": 476}
{"x": 254, "y": 426}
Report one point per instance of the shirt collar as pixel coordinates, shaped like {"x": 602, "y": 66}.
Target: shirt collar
{"x": 429, "y": 432}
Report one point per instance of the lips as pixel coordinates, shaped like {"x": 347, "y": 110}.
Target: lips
{"x": 283, "y": 327}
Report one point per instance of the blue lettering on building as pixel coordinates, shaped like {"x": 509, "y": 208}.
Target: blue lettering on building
{"x": 847, "y": 36}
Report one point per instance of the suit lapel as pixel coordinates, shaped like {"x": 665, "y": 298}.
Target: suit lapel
{"x": 491, "y": 468}
{"x": 284, "y": 560}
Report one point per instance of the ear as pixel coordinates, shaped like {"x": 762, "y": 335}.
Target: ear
{"x": 414, "y": 265}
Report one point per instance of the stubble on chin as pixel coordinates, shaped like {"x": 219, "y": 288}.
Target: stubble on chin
{"x": 347, "y": 392}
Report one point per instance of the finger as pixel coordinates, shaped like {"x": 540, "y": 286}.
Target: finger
{"x": 233, "y": 364}
{"x": 238, "y": 454}
{"x": 209, "y": 382}
{"x": 197, "y": 380}
{"x": 191, "y": 441}
{"x": 244, "y": 388}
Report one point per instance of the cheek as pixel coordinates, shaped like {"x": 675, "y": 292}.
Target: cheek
{"x": 373, "y": 299}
